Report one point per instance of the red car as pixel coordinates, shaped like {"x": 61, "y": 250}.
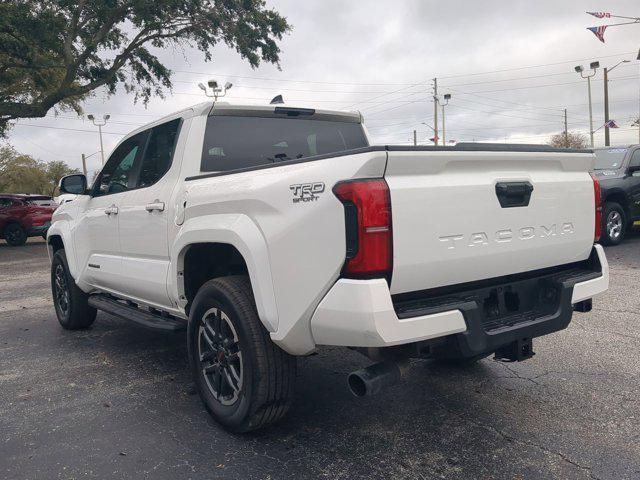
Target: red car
{"x": 23, "y": 216}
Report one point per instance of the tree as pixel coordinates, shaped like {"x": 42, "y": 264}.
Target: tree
{"x": 54, "y": 53}
{"x": 25, "y": 174}
{"x": 571, "y": 140}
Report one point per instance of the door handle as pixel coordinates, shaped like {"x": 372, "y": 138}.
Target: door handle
{"x": 112, "y": 210}
{"x": 156, "y": 205}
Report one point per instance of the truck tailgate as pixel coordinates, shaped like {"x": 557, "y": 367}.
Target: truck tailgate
{"x": 462, "y": 216}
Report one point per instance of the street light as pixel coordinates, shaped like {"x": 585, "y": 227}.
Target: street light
{"x": 447, "y": 97}
{"x": 580, "y": 69}
{"x": 214, "y": 90}
{"x": 606, "y": 99}
{"x": 100, "y": 124}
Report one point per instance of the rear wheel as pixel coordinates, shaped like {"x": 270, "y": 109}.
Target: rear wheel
{"x": 245, "y": 381}
{"x": 15, "y": 235}
{"x": 71, "y": 303}
{"x": 614, "y": 223}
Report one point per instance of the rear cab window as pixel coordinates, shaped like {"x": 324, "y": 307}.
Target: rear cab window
{"x": 239, "y": 142}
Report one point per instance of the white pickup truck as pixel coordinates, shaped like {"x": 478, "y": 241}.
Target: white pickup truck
{"x": 267, "y": 231}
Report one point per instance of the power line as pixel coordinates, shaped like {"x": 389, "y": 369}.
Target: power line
{"x": 285, "y": 79}
{"x": 545, "y": 85}
{"x": 64, "y": 128}
{"x": 497, "y": 113}
{"x": 320, "y": 82}
{"x": 533, "y": 66}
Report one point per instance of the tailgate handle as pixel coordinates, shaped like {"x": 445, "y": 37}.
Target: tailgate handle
{"x": 513, "y": 194}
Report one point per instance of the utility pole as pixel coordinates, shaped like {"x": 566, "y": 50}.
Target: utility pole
{"x": 606, "y": 107}
{"x": 84, "y": 164}
{"x": 566, "y": 130}
{"x": 415, "y": 138}
{"x": 435, "y": 111}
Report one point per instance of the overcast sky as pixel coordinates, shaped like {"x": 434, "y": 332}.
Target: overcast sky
{"x": 509, "y": 66}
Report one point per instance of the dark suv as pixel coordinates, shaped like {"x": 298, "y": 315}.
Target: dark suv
{"x": 23, "y": 216}
{"x": 618, "y": 170}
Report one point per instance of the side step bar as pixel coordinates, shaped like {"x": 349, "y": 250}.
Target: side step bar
{"x": 143, "y": 318}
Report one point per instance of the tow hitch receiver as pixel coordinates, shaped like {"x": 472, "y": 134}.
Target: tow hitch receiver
{"x": 521, "y": 349}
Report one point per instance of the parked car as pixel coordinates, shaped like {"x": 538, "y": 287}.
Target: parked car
{"x": 267, "y": 231}
{"x": 23, "y": 216}
{"x": 618, "y": 170}
{"x": 42, "y": 200}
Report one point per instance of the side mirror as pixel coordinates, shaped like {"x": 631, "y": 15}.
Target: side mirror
{"x": 634, "y": 170}
{"x": 75, "y": 184}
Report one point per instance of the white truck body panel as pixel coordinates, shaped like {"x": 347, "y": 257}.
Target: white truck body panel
{"x": 449, "y": 227}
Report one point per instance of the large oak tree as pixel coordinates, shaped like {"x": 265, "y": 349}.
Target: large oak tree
{"x": 53, "y": 53}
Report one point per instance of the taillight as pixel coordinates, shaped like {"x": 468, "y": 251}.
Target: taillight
{"x": 597, "y": 197}
{"x": 367, "y": 207}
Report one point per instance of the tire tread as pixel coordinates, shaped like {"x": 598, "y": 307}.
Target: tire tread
{"x": 273, "y": 386}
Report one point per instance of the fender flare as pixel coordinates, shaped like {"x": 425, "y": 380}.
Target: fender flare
{"x": 242, "y": 233}
{"x": 62, "y": 230}
{"x": 617, "y": 192}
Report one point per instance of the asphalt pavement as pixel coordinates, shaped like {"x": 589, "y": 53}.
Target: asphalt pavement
{"x": 117, "y": 402}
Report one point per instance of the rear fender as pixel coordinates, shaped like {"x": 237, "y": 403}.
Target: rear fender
{"x": 241, "y": 232}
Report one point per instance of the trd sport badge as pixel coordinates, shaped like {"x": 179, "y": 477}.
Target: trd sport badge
{"x": 306, "y": 192}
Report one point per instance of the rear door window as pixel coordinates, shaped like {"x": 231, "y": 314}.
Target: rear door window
{"x": 159, "y": 153}
{"x": 234, "y": 142}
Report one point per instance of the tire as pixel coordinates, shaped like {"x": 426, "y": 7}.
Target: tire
{"x": 71, "y": 303}
{"x": 15, "y": 235}
{"x": 614, "y": 224}
{"x": 227, "y": 339}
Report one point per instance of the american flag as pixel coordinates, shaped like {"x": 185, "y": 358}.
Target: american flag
{"x": 598, "y": 31}
{"x": 611, "y": 124}
{"x": 600, "y": 14}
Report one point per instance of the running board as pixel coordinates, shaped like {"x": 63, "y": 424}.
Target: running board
{"x": 143, "y": 318}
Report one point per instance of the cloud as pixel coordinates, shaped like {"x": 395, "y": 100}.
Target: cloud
{"x": 353, "y": 54}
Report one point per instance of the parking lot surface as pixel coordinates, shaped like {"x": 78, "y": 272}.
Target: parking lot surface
{"x": 117, "y": 401}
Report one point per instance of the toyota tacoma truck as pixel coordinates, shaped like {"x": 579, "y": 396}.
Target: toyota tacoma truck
{"x": 268, "y": 231}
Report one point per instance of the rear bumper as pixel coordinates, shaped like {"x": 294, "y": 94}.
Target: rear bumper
{"x": 362, "y": 313}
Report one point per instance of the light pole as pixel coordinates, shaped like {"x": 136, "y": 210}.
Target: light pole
{"x": 607, "y": 71}
{"x": 214, "y": 89}
{"x": 447, "y": 97}
{"x": 100, "y": 124}
{"x": 580, "y": 69}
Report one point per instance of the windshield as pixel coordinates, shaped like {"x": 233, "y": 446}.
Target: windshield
{"x": 239, "y": 142}
{"x": 610, "y": 158}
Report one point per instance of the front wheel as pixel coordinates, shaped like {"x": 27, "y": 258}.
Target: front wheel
{"x": 71, "y": 303}
{"x": 244, "y": 380}
{"x": 614, "y": 222}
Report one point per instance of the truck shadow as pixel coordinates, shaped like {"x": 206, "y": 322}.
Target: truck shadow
{"x": 436, "y": 416}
